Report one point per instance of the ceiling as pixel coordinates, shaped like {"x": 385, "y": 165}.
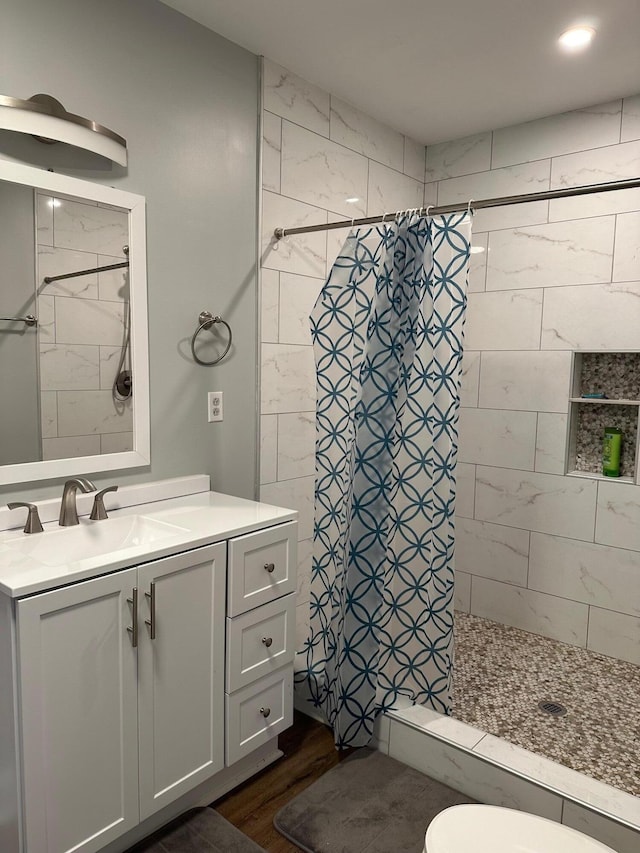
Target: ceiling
{"x": 441, "y": 69}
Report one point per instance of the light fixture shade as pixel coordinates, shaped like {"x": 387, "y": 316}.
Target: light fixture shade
{"x": 45, "y": 118}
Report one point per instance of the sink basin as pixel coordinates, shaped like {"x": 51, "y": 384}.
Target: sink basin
{"x": 93, "y": 539}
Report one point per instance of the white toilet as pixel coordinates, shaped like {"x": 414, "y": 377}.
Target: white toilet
{"x": 491, "y": 829}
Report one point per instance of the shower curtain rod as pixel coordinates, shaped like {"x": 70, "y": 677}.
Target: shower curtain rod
{"x": 474, "y": 204}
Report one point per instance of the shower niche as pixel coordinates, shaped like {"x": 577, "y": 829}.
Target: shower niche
{"x": 616, "y": 375}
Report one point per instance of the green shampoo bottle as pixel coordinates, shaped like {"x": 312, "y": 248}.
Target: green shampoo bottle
{"x": 611, "y": 446}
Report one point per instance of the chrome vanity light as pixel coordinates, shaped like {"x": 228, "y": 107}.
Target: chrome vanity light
{"x": 45, "y": 118}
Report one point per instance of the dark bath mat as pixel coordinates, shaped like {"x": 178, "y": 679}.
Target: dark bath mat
{"x": 198, "y": 831}
{"x": 369, "y": 802}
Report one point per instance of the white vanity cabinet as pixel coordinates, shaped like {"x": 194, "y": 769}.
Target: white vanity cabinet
{"x": 260, "y": 638}
{"x": 120, "y": 684}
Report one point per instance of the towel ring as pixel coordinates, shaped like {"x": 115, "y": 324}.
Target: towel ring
{"x": 206, "y": 319}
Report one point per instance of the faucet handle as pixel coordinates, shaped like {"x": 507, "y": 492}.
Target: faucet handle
{"x": 33, "y": 523}
{"x": 98, "y": 511}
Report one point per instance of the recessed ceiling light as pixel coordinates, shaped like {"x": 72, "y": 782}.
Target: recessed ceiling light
{"x": 576, "y": 38}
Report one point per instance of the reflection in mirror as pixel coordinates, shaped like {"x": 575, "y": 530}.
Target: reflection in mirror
{"x": 74, "y": 383}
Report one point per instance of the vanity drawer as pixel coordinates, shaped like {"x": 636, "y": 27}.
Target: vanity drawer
{"x": 260, "y": 641}
{"x": 262, "y": 566}
{"x": 257, "y": 713}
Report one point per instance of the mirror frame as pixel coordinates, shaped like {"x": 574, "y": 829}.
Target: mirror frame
{"x": 39, "y": 179}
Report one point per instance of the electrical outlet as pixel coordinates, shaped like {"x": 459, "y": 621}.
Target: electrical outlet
{"x": 214, "y": 406}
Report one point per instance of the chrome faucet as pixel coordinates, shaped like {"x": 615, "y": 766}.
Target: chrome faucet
{"x": 68, "y": 509}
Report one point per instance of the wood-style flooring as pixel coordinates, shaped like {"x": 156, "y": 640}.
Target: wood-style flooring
{"x": 309, "y": 752}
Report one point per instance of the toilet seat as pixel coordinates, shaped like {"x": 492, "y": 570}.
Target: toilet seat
{"x": 492, "y": 829}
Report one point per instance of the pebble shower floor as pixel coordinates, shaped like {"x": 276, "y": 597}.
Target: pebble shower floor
{"x": 502, "y": 673}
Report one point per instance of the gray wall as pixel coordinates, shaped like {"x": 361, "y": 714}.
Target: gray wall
{"x": 186, "y": 100}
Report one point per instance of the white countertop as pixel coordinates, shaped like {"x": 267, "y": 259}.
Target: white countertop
{"x": 198, "y": 519}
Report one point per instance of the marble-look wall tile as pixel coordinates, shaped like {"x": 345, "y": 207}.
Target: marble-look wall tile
{"x": 494, "y": 437}
{"x": 469, "y": 379}
{"x": 414, "y": 159}
{"x": 293, "y": 494}
{"x": 550, "y": 443}
{"x": 288, "y": 379}
{"x": 430, "y": 194}
{"x": 525, "y": 178}
{"x": 49, "y": 414}
{"x": 296, "y": 445}
{"x": 463, "y": 772}
{"x": 462, "y": 589}
{"x": 46, "y": 319}
{"x": 113, "y": 285}
{"x": 592, "y": 317}
{"x": 558, "y": 253}
{"x": 44, "y": 220}
{"x": 528, "y": 610}
{"x": 583, "y": 571}
{"x": 109, "y": 364}
{"x": 492, "y": 551}
{"x": 293, "y": 98}
{"x": 630, "y": 119}
{"x": 547, "y": 503}
{"x": 336, "y": 239}
{"x": 303, "y": 579}
{"x": 465, "y": 490}
{"x": 559, "y": 134}
{"x": 609, "y": 832}
{"x": 116, "y": 442}
{"x": 53, "y": 261}
{"x": 302, "y": 253}
{"x": 268, "y": 448}
{"x": 444, "y": 727}
{"x": 506, "y": 320}
{"x": 298, "y": 295}
{"x": 626, "y": 253}
{"x": 269, "y": 305}
{"x": 357, "y": 130}
{"x": 271, "y": 149}
{"x": 302, "y": 624}
{"x": 92, "y": 412}
{"x": 599, "y": 165}
{"x": 89, "y": 321}
{"x": 614, "y": 634}
{"x": 71, "y": 447}
{"x": 478, "y": 262}
{"x": 87, "y": 228}
{"x": 65, "y": 367}
{"x": 533, "y": 381}
{"x": 323, "y": 173}
{"x": 388, "y": 190}
{"x": 460, "y": 157}
{"x": 618, "y": 515}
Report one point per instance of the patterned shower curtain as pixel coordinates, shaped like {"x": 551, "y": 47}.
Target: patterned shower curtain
{"x": 387, "y": 331}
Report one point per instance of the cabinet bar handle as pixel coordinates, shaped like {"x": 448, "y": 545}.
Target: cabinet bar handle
{"x": 267, "y": 641}
{"x": 133, "y": 628}
{"x": 265, "y": 712}
{"x": 269, "y": 567}
{"x": 151, "y": 595}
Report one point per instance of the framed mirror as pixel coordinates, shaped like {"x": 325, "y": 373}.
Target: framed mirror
{"x": 74, "y": 367}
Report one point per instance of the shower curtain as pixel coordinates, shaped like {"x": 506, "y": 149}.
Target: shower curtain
{"x": 387, "y": 331}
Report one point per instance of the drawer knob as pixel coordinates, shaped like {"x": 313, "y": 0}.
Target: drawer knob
{"x": 269, "y": 567}
{"x": 265, "y": 712}
{"x": 267, "y": 641}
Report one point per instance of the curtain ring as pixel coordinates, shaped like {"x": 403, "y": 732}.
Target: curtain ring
{"x": 470, "y": 211}
{"x": 206, "y": 319}
{"x": 384, "y": 216}
{"x": 428, "y": 208}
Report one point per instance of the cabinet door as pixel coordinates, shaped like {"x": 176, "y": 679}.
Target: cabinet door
{"x": 181, "y": 674}
{"x": 78, "y": 699}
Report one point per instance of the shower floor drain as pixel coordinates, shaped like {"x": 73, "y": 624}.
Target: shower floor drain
{"x": 554, "y": 709}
